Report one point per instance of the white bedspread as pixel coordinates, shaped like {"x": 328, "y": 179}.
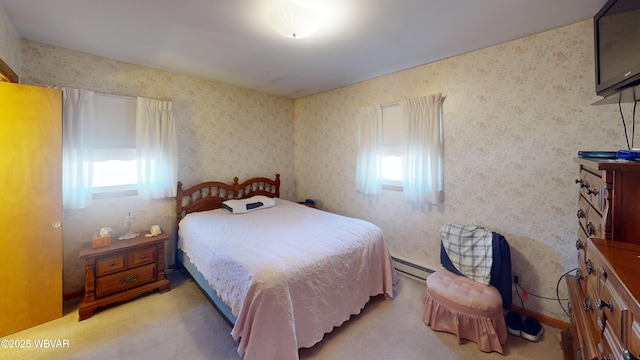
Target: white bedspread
{"x": 289, "y": 273}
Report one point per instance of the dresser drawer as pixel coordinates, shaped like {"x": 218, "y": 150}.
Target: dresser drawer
{"x": 610, "y": 346}
{"x": 109, "y": 265}
{"x": 634, "y": 338}
{"x": 141, "y": 257}
{"x": 593, "y": 225}
{"x": 124, "y": 280}
{"x": 593, "y": 190}
{"x": 583, "y": 210}
{"x": 584, "y": 335}
{"x": 614, "y": 310}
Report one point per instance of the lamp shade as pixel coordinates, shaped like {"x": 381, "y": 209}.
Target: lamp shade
{"x": 293, "y": 21}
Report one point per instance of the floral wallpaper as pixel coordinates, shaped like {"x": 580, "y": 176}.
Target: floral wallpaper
{"x": 515, "y": 117}
{"x": 9, "y": 44}
{"x": 223, "y": 132}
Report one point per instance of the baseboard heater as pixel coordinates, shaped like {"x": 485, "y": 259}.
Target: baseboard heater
{"x": 412, "y": 269}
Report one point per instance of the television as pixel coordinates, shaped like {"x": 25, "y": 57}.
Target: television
{"x": 617, "y": 46}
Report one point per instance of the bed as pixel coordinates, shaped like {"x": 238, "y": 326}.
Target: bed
{"x": 282, "y": 274}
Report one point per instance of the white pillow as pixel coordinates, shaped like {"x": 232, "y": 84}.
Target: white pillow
{"x": 242, "y": 206}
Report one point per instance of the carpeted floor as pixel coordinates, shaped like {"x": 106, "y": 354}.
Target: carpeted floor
{"x": 183, "y": 324}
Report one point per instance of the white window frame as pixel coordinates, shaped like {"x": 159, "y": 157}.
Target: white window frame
{"x": 392, "y": 147}
{"x": 115, "y": 118}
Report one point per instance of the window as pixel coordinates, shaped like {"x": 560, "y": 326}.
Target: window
{"x": 114, "y": 156}
{"x": 414, "y": 127}
{"x": 392, "y": 147}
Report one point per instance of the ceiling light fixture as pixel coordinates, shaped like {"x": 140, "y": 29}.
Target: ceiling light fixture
{"x": 293, "y": 21}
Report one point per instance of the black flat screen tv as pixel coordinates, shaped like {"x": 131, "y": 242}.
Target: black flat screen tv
{"x": 617, "y": 46}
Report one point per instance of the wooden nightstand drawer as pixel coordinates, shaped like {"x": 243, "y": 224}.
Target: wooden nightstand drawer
{"x": 109, "y": 265}
{"x": 141, "y": 257}
{"x": 124, "y": 280}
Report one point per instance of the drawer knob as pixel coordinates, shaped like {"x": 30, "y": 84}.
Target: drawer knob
{"x": 580, "y": 214}
{"x": 591, "y": 229}
{"x": 592, "y": 191}
{"x": 143, "y": 256}
{"x": 129, "y": 279}
{"x": 581, "y": 182}
{"x": 586, "y": 304}
{"x": 578, "y": 244}
{"x": 602, "y": 304}
{"x": 579, "y": 274}
{"x": 112, "y": 264}
{"x": 590, "y": 269}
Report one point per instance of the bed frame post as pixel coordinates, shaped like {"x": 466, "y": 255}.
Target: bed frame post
{"x": 236, "y": 187}
{"x": 179, "y": 203}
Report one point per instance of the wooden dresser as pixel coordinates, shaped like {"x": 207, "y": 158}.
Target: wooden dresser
{"x": 609, "y": 202}
{"x": 604, "y": 306}
{"x": 122, "y": 271}
{"x": 604, "y": 293}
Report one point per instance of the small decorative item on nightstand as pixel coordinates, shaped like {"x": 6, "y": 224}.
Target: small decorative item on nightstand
{"x": 102, "y": 240}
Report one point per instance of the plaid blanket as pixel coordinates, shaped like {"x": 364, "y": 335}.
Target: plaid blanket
{"x": 470, "y": 250}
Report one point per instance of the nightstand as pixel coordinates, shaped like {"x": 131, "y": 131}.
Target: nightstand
{"x": 122, "y": 271}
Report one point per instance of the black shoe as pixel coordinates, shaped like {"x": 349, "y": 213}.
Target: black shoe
{"x": 531, "y": 329}
{"x": 514, "y": 323}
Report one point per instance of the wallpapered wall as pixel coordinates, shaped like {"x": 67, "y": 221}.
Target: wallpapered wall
{"x": 223, "y": 131}
{"x": 9, "y": 44}
{"x": 515, "y": 116}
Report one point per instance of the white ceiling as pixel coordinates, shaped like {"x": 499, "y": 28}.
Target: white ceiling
{"x": 230, "y": 41}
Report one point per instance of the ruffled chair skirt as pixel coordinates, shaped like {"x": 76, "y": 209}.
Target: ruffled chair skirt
{"x": 469, "y": 309}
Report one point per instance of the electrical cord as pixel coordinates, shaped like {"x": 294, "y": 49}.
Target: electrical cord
{"x": 633, "y": 119}
{"x": 558, "y": 290}
{"x": 624, "y": 124}
{"x": 517, "y": 284}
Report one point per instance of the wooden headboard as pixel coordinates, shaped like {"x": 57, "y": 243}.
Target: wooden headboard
{"x": 210, "y": 195}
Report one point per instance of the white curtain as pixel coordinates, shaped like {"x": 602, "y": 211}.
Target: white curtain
{"x": 77, "y": 148}
{"x": 369, "y": 162}
{"x": 157, "y": 149}
{"x": 424, "y": 156}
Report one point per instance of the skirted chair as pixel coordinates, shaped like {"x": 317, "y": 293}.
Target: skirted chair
{"x": 468, "y": 295}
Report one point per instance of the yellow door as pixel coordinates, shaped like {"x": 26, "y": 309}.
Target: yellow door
{"x": 30, "y": 206}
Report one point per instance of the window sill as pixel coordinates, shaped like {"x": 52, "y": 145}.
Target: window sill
{"x": 392, "y": 187}
{"x": 114, "y": 194}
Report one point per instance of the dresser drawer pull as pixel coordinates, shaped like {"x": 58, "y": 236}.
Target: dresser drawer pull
{"x": 586, "y": 304}
{"x": 112, "y": 264}
{"x": 602, "y": 304}
{"x": 592, "y": 191}
{"x": 579, "y": 274}
{"x": 143, "y": 256}
{"x": 626, "y": 355}
{"x": 129, "y": 279}
{"x": 581, "y": 182}
{"x": 578, "y": 244}
{"x": 590, "y": 269}
{"x": 580, "y": 214}
{"x": 591, "y": 229}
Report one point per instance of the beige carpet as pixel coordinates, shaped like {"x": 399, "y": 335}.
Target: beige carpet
{"x": 182, "y": 324}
